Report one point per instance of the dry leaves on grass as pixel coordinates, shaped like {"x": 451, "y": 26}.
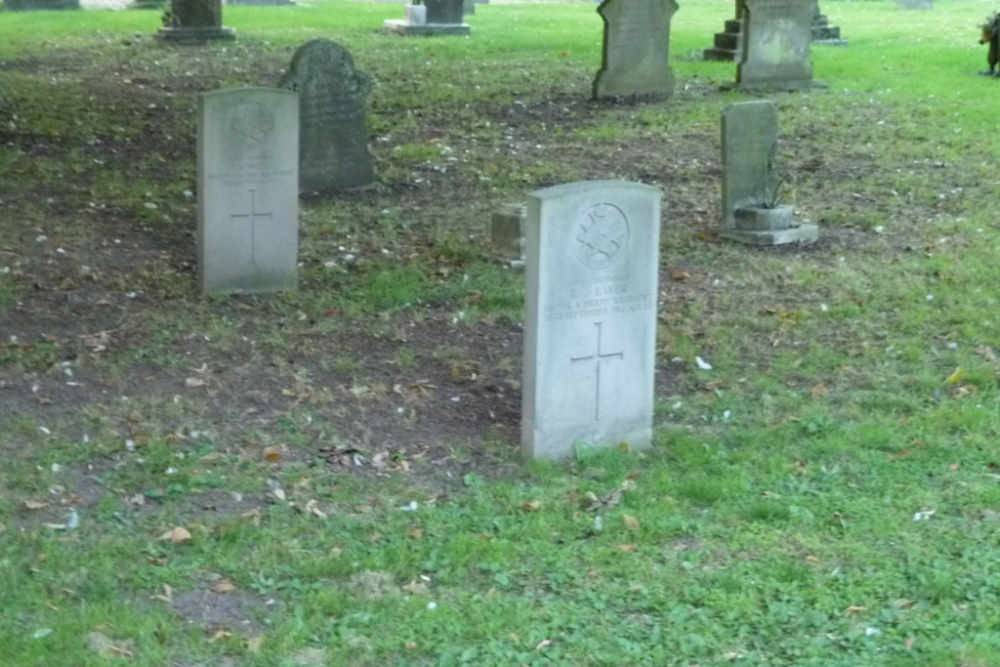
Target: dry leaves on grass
{"x": 100, "y": 643}
{"x": 532, "y": 506}
{"x": 177, "y": 535}
{"x": 223, "y": 585}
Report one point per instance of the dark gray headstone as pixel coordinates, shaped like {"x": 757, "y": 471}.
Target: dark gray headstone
{"x": 751, "y": 210}
{"x": 776, "y": 39}
{"x": 636, "y": 44}
{"x": 333, "y": 134}
{"x": 29, "y": 5}
{"x": 444, "y": 11}
{"x": 195, "y": 20}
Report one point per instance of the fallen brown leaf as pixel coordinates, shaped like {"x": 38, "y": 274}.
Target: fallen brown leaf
{"x": 855, "y": 609}
{"x": 630, "y": 522}
{"x": 103, "y": 645}
{"x": 271, "y": 454}
{"x": 177, "y": 535}
{"x": 680, "y": 276}
{"x": 626, "y": 547}
{"x": 35, "y": 504}
{"x": 532, "y": 506}
{"x": 224, "y": 585}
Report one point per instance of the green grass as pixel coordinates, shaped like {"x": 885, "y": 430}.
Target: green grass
{"x": 829, "y": 494}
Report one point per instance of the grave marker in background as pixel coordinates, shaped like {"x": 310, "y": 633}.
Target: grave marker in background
{"x": 30, "y": 5}
{"x": 334, "y": 135}
{"x": 248, "y": 157}
{"x": 916, "y": 4}
{"x": 443, "y": 17}
{"x": 636, "y": 46}
{"x": 774, "y": 53}
{"x": 195, "y": 20}
{"x": 590, "y": 326}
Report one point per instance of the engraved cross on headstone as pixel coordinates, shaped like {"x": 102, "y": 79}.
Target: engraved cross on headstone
{"x": 597, "y": 356}
{"x": 252, "y": 217}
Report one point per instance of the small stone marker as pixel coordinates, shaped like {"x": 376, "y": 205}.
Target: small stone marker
{"x": 248, "y": 157}
{"x": 31, "y": 5}
{"x": 507, "y": 231}
{"x": 195, "y": 20}
{"x": 824, "y": 33}
{"x": 334, "y": 136}
{"x": 590, "y": 325}
{"x": 749, "y": 179}
{"x": 442, "y": 17}
{"x": 636, "y": 45}
{"x": 775, "y": 46}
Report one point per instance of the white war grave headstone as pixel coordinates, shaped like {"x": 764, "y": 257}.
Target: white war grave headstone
{"x": 248, "y": 171}
{"x": 590, "y": 327}
{"x": 635, "y": 49}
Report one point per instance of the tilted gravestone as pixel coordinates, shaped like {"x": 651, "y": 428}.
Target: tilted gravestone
{"x": 30, "y": 5}
{"x": 775, "y": 45}
{"x": 590, "y": 323}
{"x": 636, "y": 45}
{"x": 439, "y": 17}
{"x": 248, "y": 158}
{"x": 751, "y": 179}
{"x": 334, "y": 136}
{"x": 194, "y": 20}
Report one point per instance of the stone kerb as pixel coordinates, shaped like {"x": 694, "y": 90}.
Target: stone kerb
{"x": 248, "y": 144}
{"x": 590, "y": 322}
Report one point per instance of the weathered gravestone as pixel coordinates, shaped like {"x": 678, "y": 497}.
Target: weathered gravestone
{"x": 194, "y": 20}
{"x": 441, "y": 17}
{"x": 636, "y": 45}
{"x": 775, "y": 45}
{"x": 916, "y": 4}
{"x": 30, "y": 5}
{"x": 590, "y": 324}
{"x": 248, "y": 157}
{"x": 334, "y": 136}
{"x": 751, "y": 179}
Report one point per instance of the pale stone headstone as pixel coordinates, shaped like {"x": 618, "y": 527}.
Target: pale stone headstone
{"x": 334, "y": 136}
{"x": 30, "y": 5}
{"x": 443, "y": 17}
{"x": 636, "y": 45}
{"x": 248, "y": 159}
{"x": 775, "y": 45}
{"x": 750, "y": 177}
{"x": 590, "y": 323}
{"x": 195, "y": 20}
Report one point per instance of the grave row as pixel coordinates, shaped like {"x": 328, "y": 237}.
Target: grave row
{"x": 591, "y": 248}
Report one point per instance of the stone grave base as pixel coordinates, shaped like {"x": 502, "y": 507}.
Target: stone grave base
{"x": 401, "y": 27}
{"x": 195, "y": 34}
{"x": 830, "y": 42}
{"x": 800, "y": 234}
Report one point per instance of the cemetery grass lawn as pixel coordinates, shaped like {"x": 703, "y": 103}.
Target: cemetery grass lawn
{"x": 331, "y": 476}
